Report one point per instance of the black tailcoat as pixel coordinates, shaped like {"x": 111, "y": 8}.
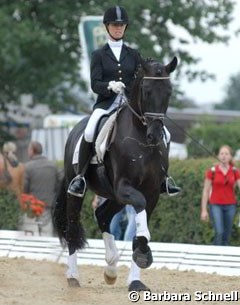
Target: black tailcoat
{"x": 105, "y": 68}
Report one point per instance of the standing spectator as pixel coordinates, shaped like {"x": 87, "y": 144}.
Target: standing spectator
{"x": 97, "y": 201}
{"x": 123, "y": 224}
{"x": 41, "y": 180}
{"x": 11, "y": 169}
{"x": 218, "y": 190}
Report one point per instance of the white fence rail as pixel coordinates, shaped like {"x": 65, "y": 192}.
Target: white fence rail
{"x": 221, "y": 260}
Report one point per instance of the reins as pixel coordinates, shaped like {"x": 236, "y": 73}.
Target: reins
{"x": 193, "y": 139}
{"x": 144, "y": 115}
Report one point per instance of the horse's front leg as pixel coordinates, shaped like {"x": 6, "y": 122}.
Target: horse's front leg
{"x": 111, "y": 258}
{"x": 142, "y": 254}
{"x": 104, "y": 214}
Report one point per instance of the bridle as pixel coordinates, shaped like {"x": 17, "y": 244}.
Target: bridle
{"x": 145, "y": 117}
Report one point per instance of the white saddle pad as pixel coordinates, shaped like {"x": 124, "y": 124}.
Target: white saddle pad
{"x": 101, "y": 141}
{"x": 100, "y": 144}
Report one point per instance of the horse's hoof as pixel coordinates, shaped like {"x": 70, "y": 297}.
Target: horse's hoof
{"x": 137, "y": 286}
{"x": 143, "y": 260}
{"x": 110, "y": 274}
{"x": 109, "y": 280}
{"x": 72, "y": 282}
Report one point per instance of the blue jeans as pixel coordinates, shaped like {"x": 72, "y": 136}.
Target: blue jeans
{"x": 130, "y": 230}
{"x": 119, "y": 228}
{"x": 222, "y": 216}
{"x": 116, "y": 224}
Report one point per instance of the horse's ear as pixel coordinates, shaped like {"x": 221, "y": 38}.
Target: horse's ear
{"x": 172, "y": 65}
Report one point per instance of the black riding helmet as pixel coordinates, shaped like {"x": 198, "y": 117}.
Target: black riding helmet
{"x": 115, "y": 14}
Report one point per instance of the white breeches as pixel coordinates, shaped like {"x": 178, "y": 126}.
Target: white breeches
{"x": 95, "y": 117}
{"x": 99, "y": 112}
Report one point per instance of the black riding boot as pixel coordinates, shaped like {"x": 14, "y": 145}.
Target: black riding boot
{"x": 77, "y": 186}
{"x": 168, "y": 186}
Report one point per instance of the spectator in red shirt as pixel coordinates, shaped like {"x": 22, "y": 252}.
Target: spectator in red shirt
{"x": 218, "y": 191}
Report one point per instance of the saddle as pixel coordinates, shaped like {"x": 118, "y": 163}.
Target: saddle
{"x": 103, "y": 138}
{"x": 105, "y": 134}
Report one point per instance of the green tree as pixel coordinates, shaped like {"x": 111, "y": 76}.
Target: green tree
{"x": 40, "y": 48}
{"x": 39, "y": 51}
{"x": 232, "y": 96}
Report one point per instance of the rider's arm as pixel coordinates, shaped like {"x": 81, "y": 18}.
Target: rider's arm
{"x": 205, "y": 197}
{"x": 98, "y": 83}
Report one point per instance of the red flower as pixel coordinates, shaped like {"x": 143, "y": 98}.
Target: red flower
{"x": 32, "y": 206}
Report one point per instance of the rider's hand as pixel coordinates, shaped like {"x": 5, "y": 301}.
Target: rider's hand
{"x": 117, "y": 87}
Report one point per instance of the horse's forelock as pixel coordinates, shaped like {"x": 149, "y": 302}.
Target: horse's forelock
{"x": 149, "y": 65}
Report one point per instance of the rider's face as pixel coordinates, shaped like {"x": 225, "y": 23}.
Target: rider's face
{"x": 116, "y": 30}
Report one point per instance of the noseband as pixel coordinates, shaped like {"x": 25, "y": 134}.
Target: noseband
{"x": 148, "y": 116}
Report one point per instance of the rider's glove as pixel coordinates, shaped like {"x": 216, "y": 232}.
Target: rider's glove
{"x": 117, "y": 87}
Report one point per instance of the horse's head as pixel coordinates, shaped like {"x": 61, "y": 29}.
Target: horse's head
{"x": 153, "y": 96}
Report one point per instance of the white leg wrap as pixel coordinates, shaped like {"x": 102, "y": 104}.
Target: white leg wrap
{"x": 111, "y": 256}
{"x": 72, "y": 271}
{"x": 141, "y": 225}
{"x": 111, "y": 271}
{"x": 134, "y": 273}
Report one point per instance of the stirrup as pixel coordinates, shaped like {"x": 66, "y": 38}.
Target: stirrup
{"x": 170, "y": 184}
{"x": 77, "y": 193}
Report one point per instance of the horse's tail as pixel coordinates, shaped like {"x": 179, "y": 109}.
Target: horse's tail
{"x": 59, "y": 213}
{"x": 66, "y": 219}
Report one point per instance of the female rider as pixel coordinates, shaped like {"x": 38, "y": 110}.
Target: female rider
{"x": 113, "y": 69}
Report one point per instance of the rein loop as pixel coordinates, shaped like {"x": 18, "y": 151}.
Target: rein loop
{"x": 156, "y": 77}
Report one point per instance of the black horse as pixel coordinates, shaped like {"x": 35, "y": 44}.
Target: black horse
{"x": 132, "y": 172}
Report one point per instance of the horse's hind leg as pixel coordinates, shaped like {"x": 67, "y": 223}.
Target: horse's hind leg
{"x": 104, "y": 214}
{"x": 72, "y": 271}
{"x": 75, "y": 238}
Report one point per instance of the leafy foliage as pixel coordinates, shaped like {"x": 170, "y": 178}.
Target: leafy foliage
{"x": 40, "y": 48}
{"x": 207, "y": 137}
{"x": 175, "y": 219}
{"x": 40, "y": 55}
{"x": 9, "y": 210}
{"x": 231, "y": 100}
